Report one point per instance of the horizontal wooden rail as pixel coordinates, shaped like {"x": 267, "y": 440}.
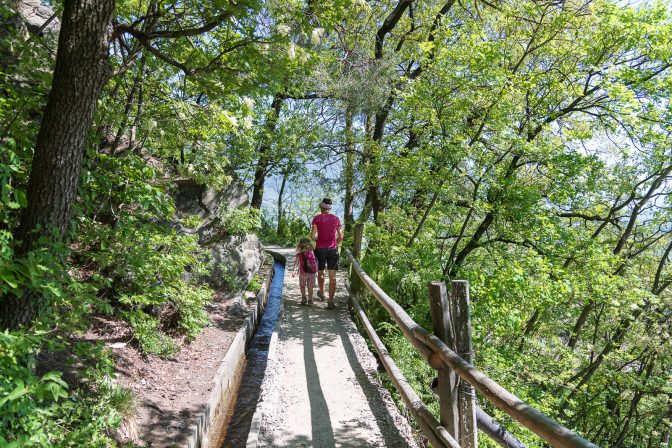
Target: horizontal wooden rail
{"x": 495, "y": 431}
{"x": 436, "y": 433}
{"x": 438, "y": 355}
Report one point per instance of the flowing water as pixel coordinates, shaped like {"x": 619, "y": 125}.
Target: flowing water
{"x": 253, "y": 375}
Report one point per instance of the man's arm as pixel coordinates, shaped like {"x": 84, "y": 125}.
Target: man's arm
{"x": 313, "y": 233}
{"x": 339, "y": 234}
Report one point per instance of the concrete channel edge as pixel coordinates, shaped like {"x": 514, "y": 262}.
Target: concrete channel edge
{"x": 255, "y": 427}
{"x": 224, "y": 379}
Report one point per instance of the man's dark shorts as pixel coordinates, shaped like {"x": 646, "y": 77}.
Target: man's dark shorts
{"x": 327, "y": 257}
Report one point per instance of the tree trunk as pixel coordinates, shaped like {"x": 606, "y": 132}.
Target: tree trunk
{"x": 280, "y": 228}
{"x": 420, "y": 225}
{"x": 133, "y": 144}
{"x": 349, "y": 173}
{"x": 137, "y": 85}
{"x": 373, "y": 184}
{"x": 366, "y": 159}
{"x": 665, "y": 434}
{"x": 264, "y": 148}
{"x": 576, "y": 331}
{"x": 82, "y": 68}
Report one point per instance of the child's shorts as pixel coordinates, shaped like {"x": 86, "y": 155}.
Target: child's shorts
{"x": 307, "y": 280}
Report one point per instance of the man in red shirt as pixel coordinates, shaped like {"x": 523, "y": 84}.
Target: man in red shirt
{"x": 327, "y": 233}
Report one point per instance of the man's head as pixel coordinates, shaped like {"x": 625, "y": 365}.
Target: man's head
{"x": 325, "y": 205}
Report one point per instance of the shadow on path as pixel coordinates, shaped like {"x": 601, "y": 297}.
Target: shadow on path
{"x": 323, "y": 392}
{"x": 319, "y": 411}
{"x": 380, "y": 412}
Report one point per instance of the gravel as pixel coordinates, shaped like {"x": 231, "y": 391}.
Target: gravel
{"x": 320, "y": 388}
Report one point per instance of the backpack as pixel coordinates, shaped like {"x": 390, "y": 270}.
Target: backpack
{"x": 309, "y": 263}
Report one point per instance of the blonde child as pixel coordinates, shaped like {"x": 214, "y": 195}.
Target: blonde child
{"x": 306, "y": 266}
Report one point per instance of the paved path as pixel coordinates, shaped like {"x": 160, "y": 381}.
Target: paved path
{"x": 320, "y": 388}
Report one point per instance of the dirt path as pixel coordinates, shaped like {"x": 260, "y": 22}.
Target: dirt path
{"x": 320, "y": 388}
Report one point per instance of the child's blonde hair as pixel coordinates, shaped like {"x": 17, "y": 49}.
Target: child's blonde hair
{"x": 303, "y": 245}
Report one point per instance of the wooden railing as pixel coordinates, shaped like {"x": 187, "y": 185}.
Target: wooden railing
{"x": 449, "y": 351}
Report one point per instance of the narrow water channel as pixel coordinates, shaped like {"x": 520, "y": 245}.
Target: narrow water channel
{"x": 255, "y": 369}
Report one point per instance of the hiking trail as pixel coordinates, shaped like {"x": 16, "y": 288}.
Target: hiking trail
{"x": 321, "y": 388}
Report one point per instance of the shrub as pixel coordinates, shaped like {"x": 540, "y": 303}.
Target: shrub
{"x": 43, "y": 410}
{"x": 191, "y": 221}
{"x": 147, "y": 330}
{"x": 191, "y": 314}
{"x": 148, "y": 268}
{"x": 241, "y": 221}
{"x": 232, "y": 282}
{"x": 255, "y": 283}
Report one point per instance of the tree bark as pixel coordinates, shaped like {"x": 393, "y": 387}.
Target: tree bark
{"x": 366, "y": 159}
{"x": 82, "y": 68}
{"x": 281, "y": 211}
{"x": 576, "y": 331}
{"x": 264, "y": 148}
{"x": 134, "y": 145}
{"x": 137, "y": 85}
{"x": 349, "y": 173}
{"x": 373, "y": 180}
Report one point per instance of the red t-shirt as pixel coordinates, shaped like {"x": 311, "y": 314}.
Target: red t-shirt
{"x": 327, "y": 224}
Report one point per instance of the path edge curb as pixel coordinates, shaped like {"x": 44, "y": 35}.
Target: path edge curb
{"x": 225, "y": 378}
{"x": 255, "y": 426}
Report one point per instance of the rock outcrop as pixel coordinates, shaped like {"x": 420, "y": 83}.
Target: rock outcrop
{"x": 234, "y": 258}
{"x": 240, "y": 255}
{"x": 37, "y": 18}
{"x": 206, "y": 203}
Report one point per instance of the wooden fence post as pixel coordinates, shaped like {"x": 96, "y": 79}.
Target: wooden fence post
{"x": 461, "y": 322}
{"x": 440, "y": 310}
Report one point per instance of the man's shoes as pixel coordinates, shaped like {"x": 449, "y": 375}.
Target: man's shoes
{"x": 320, "y": 295}
{"x": 330, "y": 305}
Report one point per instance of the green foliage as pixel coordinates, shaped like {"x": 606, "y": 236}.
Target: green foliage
{"x": 16, "y": 352}
{"x": 291, "y": 231}
{"x": 122, "y": 400}
{"x": 240, "y": 221}
{"x": 122, "y": 256}
{"x": 142, "y": 267}
{"x": 126, "y": 185}
{"x": 43, "y": 410}
{"x": 191, "y": 313}
{"x": 11, "y": 198}
{"x": 534, "y": 165}
{"x": 232, "y": 282}
{"x": 523, "y": 146}
{"x": 147, "y": 330}
{"x": 191, "y": 221}
{"x": 255, "y": 283}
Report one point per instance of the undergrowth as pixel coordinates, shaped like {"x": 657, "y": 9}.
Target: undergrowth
{"x": 42, "y": 409}
{"x": 127, "y": 263}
